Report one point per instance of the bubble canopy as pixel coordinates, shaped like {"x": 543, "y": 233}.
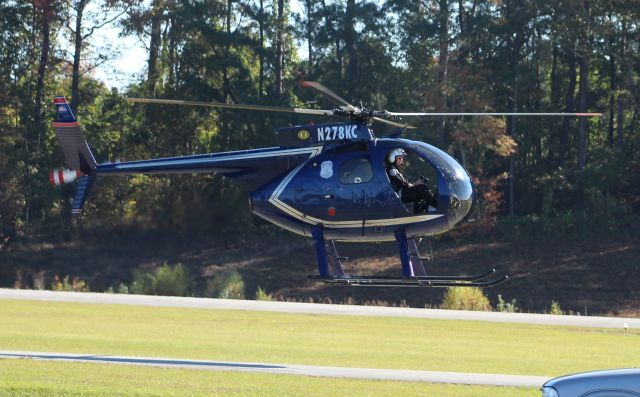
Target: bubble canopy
{"x": 453, "y": 180}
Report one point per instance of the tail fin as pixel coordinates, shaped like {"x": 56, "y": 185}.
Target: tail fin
{"x": 76, "y": 151}
{"x": 75, "y": 147}
{"x": 84, "y": 186}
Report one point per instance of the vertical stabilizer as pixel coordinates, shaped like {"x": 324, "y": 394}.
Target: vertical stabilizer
{"x": 74, "y": 146}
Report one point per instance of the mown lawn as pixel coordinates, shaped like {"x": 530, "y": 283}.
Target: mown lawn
{"x": 351, "y": 341}
{"x": 45, "y": 379}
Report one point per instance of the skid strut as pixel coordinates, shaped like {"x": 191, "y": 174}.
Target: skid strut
{"x": 413, "y": 270}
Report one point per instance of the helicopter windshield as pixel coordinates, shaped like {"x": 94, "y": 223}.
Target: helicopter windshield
{"x": 456, "y": 180}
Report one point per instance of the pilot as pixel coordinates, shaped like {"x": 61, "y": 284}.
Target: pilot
{"x": 417, "y": 192}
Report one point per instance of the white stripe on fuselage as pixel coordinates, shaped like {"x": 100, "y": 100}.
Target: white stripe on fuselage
{"x": 313, "y": 151}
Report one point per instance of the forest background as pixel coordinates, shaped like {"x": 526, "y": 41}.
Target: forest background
{"x": 539, "y": 179}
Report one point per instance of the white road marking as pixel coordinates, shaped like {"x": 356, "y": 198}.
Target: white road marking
{"x": 289, "y": 369}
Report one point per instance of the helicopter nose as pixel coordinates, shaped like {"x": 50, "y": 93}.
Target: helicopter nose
{"x": 461, "y": 198}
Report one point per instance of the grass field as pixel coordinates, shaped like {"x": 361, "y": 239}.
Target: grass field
{"x": 351, "y": 341}
{"x": 35, "y": 379}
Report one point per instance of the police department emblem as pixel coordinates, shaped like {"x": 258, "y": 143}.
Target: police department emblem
{"x": 304, "y": 135}
{"x": 326, "y": 169}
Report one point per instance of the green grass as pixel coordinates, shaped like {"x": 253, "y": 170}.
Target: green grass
{"x": 374, "y": 342}
{"x": 33, "y": 379}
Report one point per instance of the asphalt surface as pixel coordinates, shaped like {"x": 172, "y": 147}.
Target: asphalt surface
{"x": 288, "y": 369}
{"x": 317, "y": 308}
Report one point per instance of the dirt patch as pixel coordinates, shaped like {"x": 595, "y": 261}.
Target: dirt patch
{"x": 595, "y": 277}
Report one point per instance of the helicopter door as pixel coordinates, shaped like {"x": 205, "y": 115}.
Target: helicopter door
{"x": 332, "y": 187}
{"x": 417, "y": 171}
{"x": 354, "y": 176}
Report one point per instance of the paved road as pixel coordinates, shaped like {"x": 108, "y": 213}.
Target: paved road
{"x": 317, "y": 308}
{"x": 287, "y": 369}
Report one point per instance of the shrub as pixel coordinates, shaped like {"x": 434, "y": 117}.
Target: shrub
{"x": 555, "y": 309}
{"x": 465, "y": 298}
{"x": 226, "y": 285}
{"x": 164, "y": 280}
{"x": 120, "y": 289}
{"x": 262, "y": 295}
{"x": 76, "y": 285}
{"x": 171, "y": 280}
{"x": 507, "y": 307}
{"x": 142, "y": 283}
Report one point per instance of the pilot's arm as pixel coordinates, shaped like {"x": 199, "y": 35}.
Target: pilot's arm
{"x": 397, "y": 179}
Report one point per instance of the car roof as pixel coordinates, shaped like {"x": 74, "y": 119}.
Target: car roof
{"x": 621, "y": 379}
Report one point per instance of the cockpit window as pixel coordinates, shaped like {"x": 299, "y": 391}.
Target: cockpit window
{"x": 356, "y": 170}
{"x": 415, "y": 168}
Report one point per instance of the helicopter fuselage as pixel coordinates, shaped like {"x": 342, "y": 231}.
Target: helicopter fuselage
{"x": 344, "y": 188}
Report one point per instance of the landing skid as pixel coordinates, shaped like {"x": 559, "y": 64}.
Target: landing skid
{"x": 414, "y": 273}
{"x": 416, "y": 281}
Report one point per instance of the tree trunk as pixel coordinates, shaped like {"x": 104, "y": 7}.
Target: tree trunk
{"x": 154, "y": 47}
{"x": 582, "y": 107}
{"x": 625, "y": 82}
{"x": 225, "y": 72}
{"x": 555, "y": 96}
{"x": 511, "y": 131}
{"x": 583, "y": 61}
{"x": 43, "y": 13}
{"x": 612, "y": 93}
{"x": 45, "y": 30}
{"x": 351, "y": 46}
{"x": 261, "y": 77}
{"x": 280, "y": 48}
{"x": 566, "y": 123}
{"x": 172, "y": 67}
{"x": 309, "y": 37}
{"x": 443, "y": 65}
{"x": 620, "y": 125}
{"x": 75, "y": 79}
{"x": 555, "y": 78}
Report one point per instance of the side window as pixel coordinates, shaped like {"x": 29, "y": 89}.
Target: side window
{"x": 356, "y": 170}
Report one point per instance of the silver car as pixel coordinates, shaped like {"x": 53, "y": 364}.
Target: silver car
{"x": 607, "y": 383}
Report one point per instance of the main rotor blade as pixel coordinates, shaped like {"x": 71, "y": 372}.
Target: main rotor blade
{"x": 394, "y": 123}
{"x": 319, "y": 87}
{"x": 234, "y": 106}
{"x": 494, "y": 114}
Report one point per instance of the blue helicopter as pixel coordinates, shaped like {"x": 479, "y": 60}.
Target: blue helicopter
{"x": 329, "y": 182}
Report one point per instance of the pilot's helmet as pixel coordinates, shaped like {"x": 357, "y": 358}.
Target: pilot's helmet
{"x": 395, "y": 153}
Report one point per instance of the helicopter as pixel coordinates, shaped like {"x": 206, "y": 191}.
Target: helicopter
{"x": 324, "y": 181}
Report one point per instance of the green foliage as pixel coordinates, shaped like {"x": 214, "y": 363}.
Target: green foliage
{"x": 262, "y": 295}
{"x": 395, "y": 55}
{"x": 163, "y": 280}
{"x": 465, "y": 298}
{"x": 120, "y": 289}
{"x": 507, "y": 307}
{"x": 226, "y": 285}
